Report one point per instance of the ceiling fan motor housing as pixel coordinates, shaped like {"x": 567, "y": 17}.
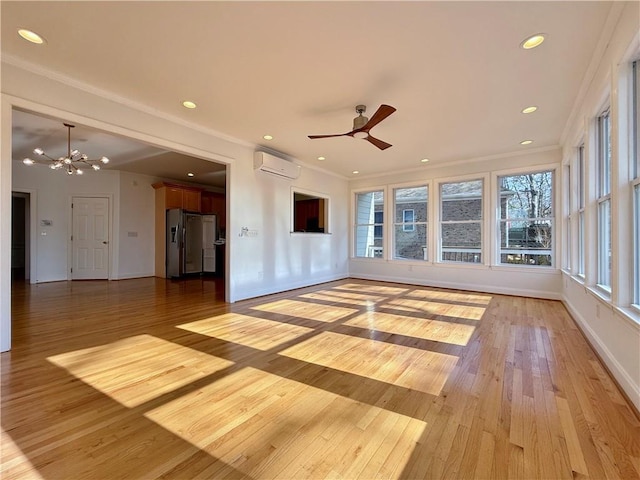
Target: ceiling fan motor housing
{"x": 360, "y": 121}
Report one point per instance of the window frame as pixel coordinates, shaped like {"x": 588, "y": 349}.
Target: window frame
{"x": 373, "y": 249}
{"x": 635, "y": 183}
{"x": 551, "y": 220}
{"x": 484, "y": 257}
{"x": 580, "y": 211}
{"x": 395, "y": 224}
{"x": 603, "y": 202}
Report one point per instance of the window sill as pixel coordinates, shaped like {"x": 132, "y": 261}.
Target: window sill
{"x": 526, "y": 269}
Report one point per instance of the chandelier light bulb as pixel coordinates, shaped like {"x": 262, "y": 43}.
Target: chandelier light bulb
{"x": 95, "y": 167}
{"x": 84, "y": 156}
{"x": 53, "y": 166}
{"x": 67, "y": 160}
{"x": 38, "y": 151}
{"x": 75, "y": 152}
{"x": 104, "y": 160}
{"x": 79, "y": 172}
{"x": 27, "y": 161}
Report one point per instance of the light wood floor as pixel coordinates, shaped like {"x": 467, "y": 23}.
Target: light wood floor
{"x": 142, "y": 379}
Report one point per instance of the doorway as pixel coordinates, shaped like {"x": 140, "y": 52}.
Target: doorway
{"x": 20, "y": 237}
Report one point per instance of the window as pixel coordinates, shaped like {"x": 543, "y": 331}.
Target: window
{"x": 568, "y": 247}
{"x": 635, "y": 182}
{"x": 378, "y": 219}
{"x": 526, "y": 219}
{"x": 581, "y": 204}
{"x": 604, "y": 201}
{"x": 310, "y": 213}
{"x": 369, "y": 231}
{"x": 461, "y": 221}
{"x": 407, "y": 220}
{"x": 410, "y": 223}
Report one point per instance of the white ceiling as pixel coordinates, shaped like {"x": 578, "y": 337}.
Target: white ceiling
{"x": 454, "y": 70}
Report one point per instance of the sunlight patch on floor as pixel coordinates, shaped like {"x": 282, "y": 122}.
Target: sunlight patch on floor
{"x": 246, "y": 330}
{"x": 435, "y": 308}
{"x": 445, "y": 332}
{"x": 267, "y": 426}
{"x": 402, "y": 366}
{"x": 460, "y": 297}
{"x": 139, "y": 368}
{"x": 308, "y": 310}
{"x": 381, "y": 289}
{"x": 344, "y": 297}
{"x": 13, "y": 460}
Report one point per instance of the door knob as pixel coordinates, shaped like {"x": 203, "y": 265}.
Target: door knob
{"x": 105, "y": 242}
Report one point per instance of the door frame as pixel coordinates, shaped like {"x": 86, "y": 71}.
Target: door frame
{"x": 111, "y": 247}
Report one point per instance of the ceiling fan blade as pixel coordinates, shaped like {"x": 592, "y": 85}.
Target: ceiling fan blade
{"x": 378, "y": 143}
{"x": 383, "y": 112}
{"x": 329, "y": 136}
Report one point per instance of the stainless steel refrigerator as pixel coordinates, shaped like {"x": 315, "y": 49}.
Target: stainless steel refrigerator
{"x": 191, "y": 243}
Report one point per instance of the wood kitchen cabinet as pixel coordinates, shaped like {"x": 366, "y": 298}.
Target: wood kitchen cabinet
{"x": 212, "y": 202}
{"x": 178, "y": 196}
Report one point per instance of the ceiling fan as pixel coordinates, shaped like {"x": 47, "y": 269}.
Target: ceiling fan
{"x": 362, "y": 125}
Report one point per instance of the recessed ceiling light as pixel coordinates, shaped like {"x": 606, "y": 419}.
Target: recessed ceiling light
{"x": 267, "y": 137}
{"x": 530, "y": 109}
{"x": 30, "y": 36}
{"x": 533, "y": 41}
{"x": 190, "y": 174}
{"x": 321, "y": 158}
{"x": 188, "y": 104}
{"x": 526, "y": 142}
{"x": 424, "y": 160}
{"x": 355, "y": 172}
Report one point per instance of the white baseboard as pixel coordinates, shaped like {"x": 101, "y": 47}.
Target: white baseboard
{"x": 128, "y": 276}
{"x": 631, "y": 388}
{"x": 463, "y": 286}
{"x": 283, "y": 287}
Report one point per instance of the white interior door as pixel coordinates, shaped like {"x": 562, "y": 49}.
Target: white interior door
{"x": 90, "y": 240}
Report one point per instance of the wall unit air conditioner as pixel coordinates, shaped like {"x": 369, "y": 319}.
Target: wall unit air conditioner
{"x": 276, "y": 166}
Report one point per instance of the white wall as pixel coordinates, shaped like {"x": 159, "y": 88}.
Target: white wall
{"x": 137, "y": 207}
{"x": 512, "y": 280}
{"x": 277, "y": 259}
{"x": 272, "y": 261}
{"x": 612, "y": 328}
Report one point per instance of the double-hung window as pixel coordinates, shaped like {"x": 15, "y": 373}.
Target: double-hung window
{"x": 410, "y": 223}
{"x": 635, "y": 183}
{"x": 568, "y": 247}
{"x": 461, "y": 218}
{"x": 526, "y": 219}
{"x": 369, "y": 224}
{"x": 581, "y": 209}
{"x": 604, "y": 201}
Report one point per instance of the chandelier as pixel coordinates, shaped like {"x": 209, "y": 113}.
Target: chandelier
{"x": 72, "y": 163}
